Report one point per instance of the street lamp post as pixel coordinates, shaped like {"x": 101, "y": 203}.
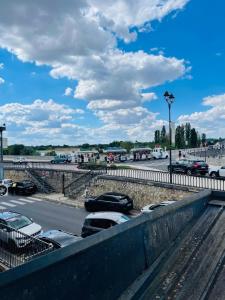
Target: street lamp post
{"x": 170, "y": 99}
{"x": 2, "y": 128}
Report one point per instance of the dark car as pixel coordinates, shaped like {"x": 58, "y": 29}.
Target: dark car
{"x": 96, "y": 222}
{"x": 190, "y": 167}
{"x": 61, "y": 159}
{"x": 109, "y": 201}
{"x": 59, "y": 238}
{"x": 25, "y": 187}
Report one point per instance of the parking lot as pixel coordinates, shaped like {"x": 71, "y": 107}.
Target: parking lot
{"x": 48, "y": 214}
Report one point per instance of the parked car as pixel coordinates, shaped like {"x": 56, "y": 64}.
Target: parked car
{"x": 61, "y": 159}
{"x": 12, "y": 224}
{"x": 3, "y": 190}
{"x": 189, "y": 167}
{"x": 159, "y": 153}
{"x": 25, "y": 187}
{"x": 95, "y": 222}
{"x": 20, "y": 161}
{"x": 217, "y": 172}
{"x": 59, "y": 238}
{"x": 6, "y": 182}
{"x": 109, "y": 201}
{"x": 151, "y": 207}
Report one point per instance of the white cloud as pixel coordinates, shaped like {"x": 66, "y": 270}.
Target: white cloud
{"x": 2, "y": 80}
{"x": 126, "y": 116}
{"x": 68, "y": 91}
{"x": 78, "y": 40}
{"x": 211, "y": 121}
{"x": 1, "y": 66}
{"x": 121, "y": 16}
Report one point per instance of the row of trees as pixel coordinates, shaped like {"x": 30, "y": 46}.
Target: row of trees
{"x": 185, "y": 137}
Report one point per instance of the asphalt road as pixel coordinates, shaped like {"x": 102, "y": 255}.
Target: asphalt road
{"x": 48, "y": 214}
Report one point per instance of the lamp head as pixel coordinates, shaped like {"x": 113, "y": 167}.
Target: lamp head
{"x": 166, "y": 94}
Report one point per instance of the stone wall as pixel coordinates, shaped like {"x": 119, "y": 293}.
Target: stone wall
{"x": 16, "y": 175}
{"x": 52, "y": 177}
{"x": 141, "y": 193}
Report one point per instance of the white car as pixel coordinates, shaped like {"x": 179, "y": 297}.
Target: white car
{"x": 217, "y": 171}
{"x": 19, "y": 160}
{"x": 16, "y": 230}
{"x": 6, "y": 182}
{"x": 150, "y": 207}
{"x": 95, "y": 222}
{"x": 159, "y": 153}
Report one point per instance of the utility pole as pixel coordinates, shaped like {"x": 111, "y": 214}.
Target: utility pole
{"x": 2, "y": 128}
{"x": 170, "y": 99}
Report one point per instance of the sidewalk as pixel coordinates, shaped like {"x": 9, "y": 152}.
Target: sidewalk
{"x": 60, "y": 199}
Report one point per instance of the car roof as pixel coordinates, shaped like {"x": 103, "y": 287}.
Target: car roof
{"x": 6, "y": 215}
{"x": 61, "y": 237}
{"x": 114, "y": 216}
{"x": 116, "y": 194}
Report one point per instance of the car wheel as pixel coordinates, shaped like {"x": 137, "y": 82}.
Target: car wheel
{"x": 189, "y": 173}
{"x": 213, "y": 174}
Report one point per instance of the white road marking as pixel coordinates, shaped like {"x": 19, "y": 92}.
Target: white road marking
{"x": 17, "y": 202}
{"x": 26, "y": 200}
{"x": 8, "y": 204}
{"x": 2, "y": 207}
{"x": 35, "y": 199}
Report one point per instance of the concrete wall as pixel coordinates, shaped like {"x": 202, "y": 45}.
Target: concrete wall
{"x": 53, "y": 177}
{"x": 104, "y": 265}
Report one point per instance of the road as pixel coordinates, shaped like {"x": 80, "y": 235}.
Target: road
{"x": 48, "y": 214}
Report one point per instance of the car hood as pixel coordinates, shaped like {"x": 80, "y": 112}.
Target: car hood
{"x": 30, "y": 229}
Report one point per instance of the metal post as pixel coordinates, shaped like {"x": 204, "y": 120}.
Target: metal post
{"x": 205, "y": 153}
{"x": 170, "y": 137}
{"x": 2, "y": 128}
{"x": 63, "y": 184}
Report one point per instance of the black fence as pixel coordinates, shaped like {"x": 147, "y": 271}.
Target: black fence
{"x": 80, "y": 183}
{"x": 17, "y": 248}
{"x": 202, "y": 182}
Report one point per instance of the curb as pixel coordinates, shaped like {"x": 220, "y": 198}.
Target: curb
{"x": 64, "y": 202}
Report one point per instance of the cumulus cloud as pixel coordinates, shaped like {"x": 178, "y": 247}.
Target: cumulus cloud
{"x": 2, "y": 80}
{"x": 1, "y": 66}
{"x": 38, "y": 117}
{"x": 125, "y": 15}
{"x": 211, "y": 121}
{"x": 79, "y": 40}
{"x": 68, "y": 91}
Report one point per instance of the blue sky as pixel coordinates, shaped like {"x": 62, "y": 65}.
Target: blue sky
{"x": 100, "y": 74}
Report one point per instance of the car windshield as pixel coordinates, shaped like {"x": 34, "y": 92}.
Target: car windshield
{"x": 18, "y": 222}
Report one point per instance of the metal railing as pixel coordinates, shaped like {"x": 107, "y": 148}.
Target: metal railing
{"x": 17, "y": 248}
{"x": 79, "y": 183}
{"x": 177, "y": 179}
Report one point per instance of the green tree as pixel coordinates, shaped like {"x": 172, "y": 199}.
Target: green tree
{"x": 157, "y": 137}
{"x": 194, "y": 138}
{"x": 163, "y": 135}
{"x": 203, "y": 139}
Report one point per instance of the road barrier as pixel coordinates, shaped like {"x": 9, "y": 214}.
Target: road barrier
{"x": 177, "y": 179}
{"x": 104, "y": 265}
{"x": 17, "y": 248}
{"x": 203, "y": 182}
